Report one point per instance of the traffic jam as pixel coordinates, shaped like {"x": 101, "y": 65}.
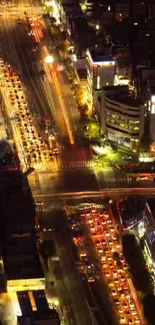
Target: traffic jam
{"x": 106, "y": 239}
{"x": 31, "y": 148}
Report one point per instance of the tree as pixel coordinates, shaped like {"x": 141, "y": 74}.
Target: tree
{"x": 83, "y": 110}
{"x": 61, "y": 47}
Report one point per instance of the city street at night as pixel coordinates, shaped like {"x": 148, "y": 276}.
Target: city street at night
{"x": 76, "y": 153}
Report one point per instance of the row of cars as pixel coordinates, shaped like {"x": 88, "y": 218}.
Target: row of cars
{"x": 106, "y": 239}
{"x": 85, "y": 266}
{"x": 33, "y": 148}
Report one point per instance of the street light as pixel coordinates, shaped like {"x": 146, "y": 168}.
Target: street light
{"x": 49, "y": 59}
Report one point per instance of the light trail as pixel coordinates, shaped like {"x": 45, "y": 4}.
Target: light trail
{"x": 53, "y": 74}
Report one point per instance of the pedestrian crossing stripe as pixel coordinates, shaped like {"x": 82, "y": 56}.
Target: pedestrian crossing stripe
{"x": 60, "y": 164}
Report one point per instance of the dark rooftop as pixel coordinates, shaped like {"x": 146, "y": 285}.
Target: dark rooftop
{"x": 21, "y": 260}
{"x": 131, "y": 211}
{"x": 51, "y": 316}
{"x": 100, "y": 54}
{"x": 82, "y": 73}
{"x": 21, "y": 245}
{"x": 121, "y": 94}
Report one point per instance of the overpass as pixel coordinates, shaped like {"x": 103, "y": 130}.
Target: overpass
{"x": 112, "y": 193}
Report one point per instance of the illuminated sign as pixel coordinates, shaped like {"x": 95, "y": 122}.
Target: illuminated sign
{"x": 105, "y": 63}
{"x": 95, "y": 70}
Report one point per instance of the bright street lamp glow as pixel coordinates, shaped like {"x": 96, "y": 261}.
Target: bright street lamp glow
{"x": 49, "y": 59}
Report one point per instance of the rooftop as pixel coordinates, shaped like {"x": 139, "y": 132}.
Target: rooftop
{"x": 21, "y": 260}
{"x": 121, "y": 94}
{"x": 100, "y": 54}
{"x": 50, "y": 317}
{"x": 82, "y": 73}
{"x": 20, "y": 245}
{"x": 132, "y": 211}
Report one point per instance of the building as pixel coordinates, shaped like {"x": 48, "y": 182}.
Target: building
{"x": 146, "y": 230}
{"x": 122, "y": 116}
{"x": 123, "y": 73}
{"x": 122, "y": 10}
{"x": 81, "y": 35}
{"x": 21, "y": 263}
{"x": 85, "y": 84}
{"x": 131, "y": 212}
{"x": 49, "y": 317}
{"x": 102, "y": 66}
{"x": 33, "y": 309}
{"x": 16, "y": 204}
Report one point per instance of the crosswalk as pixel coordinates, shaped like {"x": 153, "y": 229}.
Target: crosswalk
{"x": 63, "y": 165}
{"x": 76, "y": 164}
{"x": 17, "y": 10}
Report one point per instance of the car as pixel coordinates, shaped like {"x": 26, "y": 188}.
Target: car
{"x": 104, "y": 265}
{"x": 131, "y": 303}
{"x": 122, "y": 320}
{"x": 127, "y": 312}
{"x": 108, "y": 274}
{"x": 113, "y": 292}
{"x": 110, "y": 242}
{"x": 112, "y": 228}
{"x": 118, "y": 245}
{"x": 117, "y": 302}
{"x": 125, "y": 267}
{"x": 107, "y": 234}
{"x": 122, "y": 278}
{"x": 125, "y": 304}
{"x": 91, "y": 278}
{"x": 122, "y": 259}
{"x": 103, "y": 241}
{"x": 136, "y": 320}
{"x": 92, "y": 228}
{"x": 126, "y": 157}
{"x": 100, "y": 249}
{"x": 134, "y": 312}
{"x": 111, "y": 265}
{"x": 120, "y": 310}
{"x": 130, "y": 321}
{"x": 125, "y": 286}
{"x": 97, "y": 242}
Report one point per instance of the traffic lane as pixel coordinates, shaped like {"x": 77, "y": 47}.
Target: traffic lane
{"x": 61, "y": 292}
{"x": 112, "y": 270}
{"x": 68, "y": 97}
{"x": 99, "y": 288}
{"x": 71, "y": 276}
{"x": 31, "y": 71}
{"x": 104, "y": 311}
{"x": 23, "y": 46}
{"x": 7, "y": 49}
{"x": 16, "y": 48}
